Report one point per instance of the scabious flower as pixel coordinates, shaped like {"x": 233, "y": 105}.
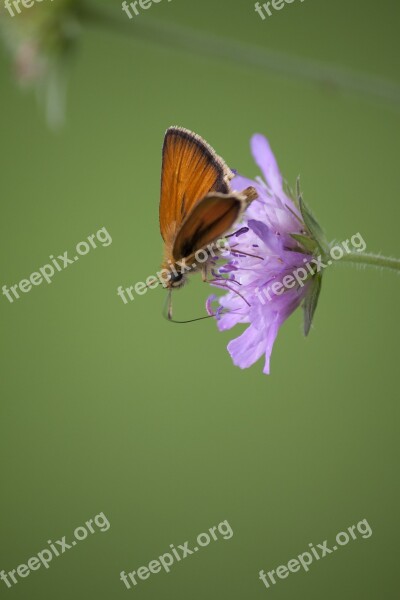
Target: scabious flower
{"x": 269, "y": 269}
{"x": 40, "y": 39}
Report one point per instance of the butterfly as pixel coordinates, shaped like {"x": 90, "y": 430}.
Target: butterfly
{"x": 197, "y": 204}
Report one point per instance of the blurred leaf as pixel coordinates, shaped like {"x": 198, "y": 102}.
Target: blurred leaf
{"x": 311, "y": 301}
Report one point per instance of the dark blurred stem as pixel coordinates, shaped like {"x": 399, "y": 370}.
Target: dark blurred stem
{"x": 204, "y": 44}
{"x": 372, "y": 260}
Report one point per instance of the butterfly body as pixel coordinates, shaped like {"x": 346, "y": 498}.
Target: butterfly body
{"x": 197, "y": 205}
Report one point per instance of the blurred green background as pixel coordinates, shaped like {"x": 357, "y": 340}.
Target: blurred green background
{"x": 108, "y": 407}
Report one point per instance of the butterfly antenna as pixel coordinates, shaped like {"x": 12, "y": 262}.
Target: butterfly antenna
{"x": 152, "y": 282}
{"x": 192, "y": 320}
{"x": 167, "y": 312}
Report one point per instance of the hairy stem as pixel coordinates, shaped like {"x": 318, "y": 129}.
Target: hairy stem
{"x": 372, "y": 260}
{"x": 238, "y": 53}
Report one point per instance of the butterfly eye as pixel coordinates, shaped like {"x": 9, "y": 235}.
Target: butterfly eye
{"x": 176, "y": 280}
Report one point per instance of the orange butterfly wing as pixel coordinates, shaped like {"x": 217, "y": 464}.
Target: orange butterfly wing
{"x": 211, "y": 218}
{"x": 190, "y": 170}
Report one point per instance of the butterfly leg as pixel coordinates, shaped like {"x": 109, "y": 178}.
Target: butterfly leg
{"x": 204, "y": 273}
{"x": 217, "y": 281}
{"x": 169, "y": 312}
{"x": 204, "y": 276}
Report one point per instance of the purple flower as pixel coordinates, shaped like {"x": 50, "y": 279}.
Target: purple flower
{"x": 266, "y": 270}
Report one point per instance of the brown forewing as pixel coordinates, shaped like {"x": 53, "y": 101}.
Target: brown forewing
{"x": 190, "y": 170}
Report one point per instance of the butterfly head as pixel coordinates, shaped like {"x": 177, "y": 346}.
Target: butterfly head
{"x": 176, "y": 280}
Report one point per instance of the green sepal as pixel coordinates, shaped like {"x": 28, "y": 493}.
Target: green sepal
{"x": 313, "y": 226}
{"x": 289, "y": 192}
{"x": 311, "y": 301}
{"x": 310, "y": 246}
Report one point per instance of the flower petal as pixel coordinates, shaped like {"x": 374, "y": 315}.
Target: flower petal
{"x": 209, "y": 302}
{"x": 266, "y": 160}
{"x": 235, "y": 312}
{"x": 271, "y": 337}
{"x": 264, "y": 233}
{"x": 247, "y": 348}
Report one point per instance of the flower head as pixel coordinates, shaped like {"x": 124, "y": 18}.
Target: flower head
{"x": 270, "y": 267}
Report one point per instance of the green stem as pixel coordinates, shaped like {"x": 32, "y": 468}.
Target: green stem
{"x": 238, "y": 53}
{"x": 372, "y": 260}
